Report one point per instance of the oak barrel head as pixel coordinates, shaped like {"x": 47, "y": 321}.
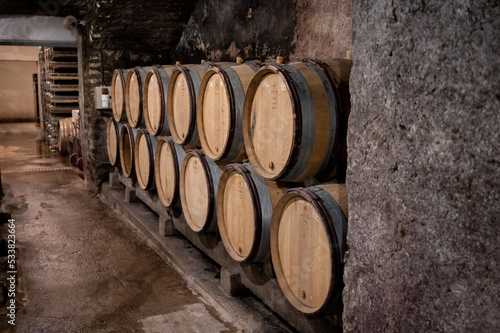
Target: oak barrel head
{"x": 293, "y": 124}
{"x": 168, "y": 160}
{"x": 118, "y": 84}
{"x": 269, "y": 123}
{"x": 181, "y": 104}
{"x": 235, "y": 215}
{"x": 133, "y": 97}
{"x": 126, "y": 146}
{"x": 214, "y": 114}
{"x": 198, "y": 189}
{"x": 181, "y": 108}
{"x": 155, "y": 100}
{"x": 244, "y": 212}
{"x": 112, "y": 141}
{"x": 219, "y": 111}
{"x": 307, "y": 246}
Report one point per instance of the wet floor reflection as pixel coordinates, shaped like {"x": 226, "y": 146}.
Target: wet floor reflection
{"x": 21, "y": 148}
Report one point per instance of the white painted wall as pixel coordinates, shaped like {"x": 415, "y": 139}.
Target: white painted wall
{"x": 17, "y": 66}
{"x": 19, "y": 53}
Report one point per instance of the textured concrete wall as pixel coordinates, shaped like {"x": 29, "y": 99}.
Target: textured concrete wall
{"x": 17, "y": 101}
{"x": 423, "y": 174}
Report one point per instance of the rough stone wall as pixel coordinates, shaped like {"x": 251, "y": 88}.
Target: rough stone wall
{"x": 221, "y": 30}
{"x": 120, "y": 35}
{"x": 323, "y": 30}
{"x": 423, "y": 172}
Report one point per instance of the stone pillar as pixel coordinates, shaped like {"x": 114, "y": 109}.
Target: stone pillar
{"x": 423, "y": 179}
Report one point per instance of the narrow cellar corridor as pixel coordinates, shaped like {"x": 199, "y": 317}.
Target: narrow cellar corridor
{"x": 80, "y": 267}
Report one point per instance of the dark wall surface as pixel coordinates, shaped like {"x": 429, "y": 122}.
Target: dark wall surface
{"x": 221, "y": 30}
{"x": 423, "y": 172}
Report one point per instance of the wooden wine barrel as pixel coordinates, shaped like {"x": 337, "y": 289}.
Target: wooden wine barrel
{"x": 198, "y": 190}
{"x": 244, "y": 213}
{"x": 155, "y": 99}
{"x": 112, "y": 141}
{"x": 65, "y": 132}
{"x": 145, "y": 150}
{"x": 293, "y": 120}
{"x": 308, "y": 230}
{"x": 168, "y": 160}
{"x": 126, "y": 147}
{"x": 133, "y": 96}
{"x": 220, "y": 110}
{"x": 118, "y": 83}
{"x": 181, "y": 104}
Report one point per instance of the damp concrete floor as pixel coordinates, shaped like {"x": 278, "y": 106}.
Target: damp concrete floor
{"x": 80, "y": 268}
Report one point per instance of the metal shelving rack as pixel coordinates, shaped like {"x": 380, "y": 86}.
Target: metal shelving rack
{"x": 58, "y": 88}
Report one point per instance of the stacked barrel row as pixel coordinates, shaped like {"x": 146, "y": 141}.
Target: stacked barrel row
{"x": 265, "y": 130}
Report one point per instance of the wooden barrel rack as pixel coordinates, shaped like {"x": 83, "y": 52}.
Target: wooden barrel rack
{"x": 267, "y": 133}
